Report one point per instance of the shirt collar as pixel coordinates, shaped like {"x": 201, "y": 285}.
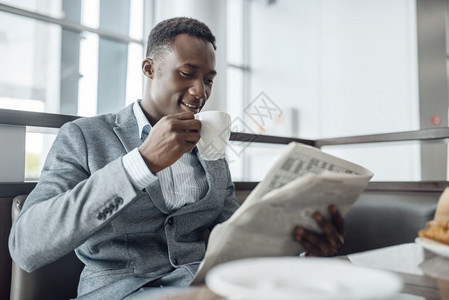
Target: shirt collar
{"x": 140, "y": 117}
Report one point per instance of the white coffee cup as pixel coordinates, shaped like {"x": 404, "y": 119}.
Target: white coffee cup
{"x": 215, "y": 133}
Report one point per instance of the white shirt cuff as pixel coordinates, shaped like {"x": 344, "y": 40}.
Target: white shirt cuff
{"x": 137, "y": 169}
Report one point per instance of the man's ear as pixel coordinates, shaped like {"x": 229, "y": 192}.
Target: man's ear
{"x": 147, "y": 68}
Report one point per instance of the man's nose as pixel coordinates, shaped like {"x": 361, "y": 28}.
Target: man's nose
{"x": 198, "y": 90}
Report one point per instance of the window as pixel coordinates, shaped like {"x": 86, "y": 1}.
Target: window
{"x": 74, "y": 57}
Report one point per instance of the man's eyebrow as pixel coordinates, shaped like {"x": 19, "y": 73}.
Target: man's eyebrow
{"x": 212, "y": 72}
{"x": 190, "y": 66}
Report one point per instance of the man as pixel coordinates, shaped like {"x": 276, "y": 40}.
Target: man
{"x": 135, "y": 207}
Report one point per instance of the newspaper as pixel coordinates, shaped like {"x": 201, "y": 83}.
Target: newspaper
{"x": 303, "y": 180}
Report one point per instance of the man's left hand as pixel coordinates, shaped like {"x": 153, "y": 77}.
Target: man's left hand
{"x": 330, "y": 241}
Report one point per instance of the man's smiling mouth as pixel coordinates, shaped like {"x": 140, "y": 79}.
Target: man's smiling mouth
{"x": 191, "y": 106}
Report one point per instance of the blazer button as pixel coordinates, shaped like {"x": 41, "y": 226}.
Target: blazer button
{"x": 100, "y": 216}
{"x": 113, "y": 207}
{"x": 118, "y": 201}
{"x": 170, "y": 221}
{"x": 175, "y": 261}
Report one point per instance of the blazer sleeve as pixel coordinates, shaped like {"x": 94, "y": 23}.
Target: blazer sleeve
{"x": 69, "y": 203}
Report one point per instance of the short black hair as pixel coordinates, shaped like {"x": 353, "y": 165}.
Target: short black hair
{"x": 163, "y": 35}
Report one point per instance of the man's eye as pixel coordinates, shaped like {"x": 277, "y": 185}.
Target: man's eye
{"x": 208, "y": 81}
{"x": 186, "y": 74}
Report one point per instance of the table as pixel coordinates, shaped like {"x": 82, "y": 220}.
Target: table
{"x": 425, "y": 275}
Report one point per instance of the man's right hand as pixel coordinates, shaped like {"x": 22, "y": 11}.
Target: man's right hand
{"x": 169, "y": 139}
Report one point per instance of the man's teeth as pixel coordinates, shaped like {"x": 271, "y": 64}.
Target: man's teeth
{"x": 190, "y": 106}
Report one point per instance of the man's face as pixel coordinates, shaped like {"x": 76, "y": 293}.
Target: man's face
{"x": 181, "y": 79}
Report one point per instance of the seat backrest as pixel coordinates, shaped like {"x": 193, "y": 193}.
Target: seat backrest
{"x": 382, "y": 219}
{"x": 5, "y": 258}
{"x": 58, "y": 280}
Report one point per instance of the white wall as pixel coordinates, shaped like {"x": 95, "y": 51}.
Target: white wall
{"x": 369, "y": 65}
{"x": 284, "y": 58}
{"x": 348, "y": 66}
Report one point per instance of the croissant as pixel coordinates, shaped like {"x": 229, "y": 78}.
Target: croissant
{"x": 436, "y": 231}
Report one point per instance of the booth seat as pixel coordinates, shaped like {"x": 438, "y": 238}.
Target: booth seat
{"x": 377, "y": 219}
{"x": 58, "y": 280}
{"x": 5, "y": 259}
{"x": 380, "y": 219}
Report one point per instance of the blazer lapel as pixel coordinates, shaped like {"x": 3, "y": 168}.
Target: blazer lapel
{"x": 127, "y": 132}
{"x": 154, "y": 191}
{"x": 215, "y": 172}
{"x": 127, "y": 129}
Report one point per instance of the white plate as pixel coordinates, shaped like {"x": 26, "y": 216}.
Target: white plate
{"x": 433, "y": 246}
{"x": 300, "y": 278}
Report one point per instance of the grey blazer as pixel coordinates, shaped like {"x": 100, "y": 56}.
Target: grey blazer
{"x": 125, "y": 237}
